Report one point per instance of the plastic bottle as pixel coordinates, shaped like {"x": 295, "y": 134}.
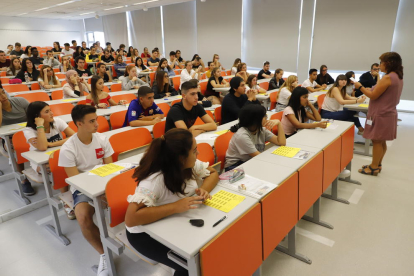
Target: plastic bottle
{"x": 26, "y": 77}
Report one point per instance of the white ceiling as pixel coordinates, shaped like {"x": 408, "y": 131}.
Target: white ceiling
{"x": 72, "y": 11}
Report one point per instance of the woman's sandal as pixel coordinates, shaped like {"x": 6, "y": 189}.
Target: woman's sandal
{"x": 373, "y": 172}
{"x": 379, "y": 167}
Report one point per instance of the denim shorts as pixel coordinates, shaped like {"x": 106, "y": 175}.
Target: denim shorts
{"x": 78, "y": 197}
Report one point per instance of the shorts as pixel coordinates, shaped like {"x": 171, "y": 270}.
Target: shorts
{"x": 78, "y": 197}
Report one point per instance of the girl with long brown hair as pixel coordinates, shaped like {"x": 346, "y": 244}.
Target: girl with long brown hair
{"x": 162, "y": 87}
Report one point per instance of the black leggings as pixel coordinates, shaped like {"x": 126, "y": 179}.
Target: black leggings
{"x": 154, "y": 250}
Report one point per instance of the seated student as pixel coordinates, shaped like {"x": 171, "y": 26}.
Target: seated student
{"x": 84, "y": 48}
{"x": 198, "y": 63}
{"x": 131, "y": 80}
{"x": 130, "y": 51}
{"x": 56, "y": 48}
{"x": 324, "y": 77}
{"x": 43, "y": 131}
{"x": 145, "y": 55}
{"x": 143, "y": 111}
{"x": 295, "y": 115}
{"x": 336, "y": 98}
{"x": 9, "y": 49}
{"x": 265, "y": 72}
{"x": 107, "y": 58}
{"x": 216, "y": 62}
{"x": 201, "y": 98}
{"x": 119, "y": 64}
{"x": 74, "y": 44}
{"x": 98, "y": 48}
{"x": 236, "y": 99}
{"x": 242, "y": 71}
{"x": 153, "y": 60}
{"x": 369, "y": 79}
{"x": 50, "y": 60}
{"x": 27, "y": 66}
{"x": 185, "y": 113}
{"x": 173, "y": 61}
{"x": 179, "y": 58}
{"x": 188, "y": 73}
{"x": 169, "y": 177}
{"x": 27, "y": 52}
{"x": 67, "y": 51}
{"x": 210, "y": 69}
{"x": 161, "y": 86}
{"x": 36, "y": 60}
{"x": 17, "y": 52}
{"x": 99, "y": 98}
{"x": 48, "y": 79}
{"x": 285, "y": 92}
{"x": 163, "y": 66}
{"x": 75, "y": 86}
{"x": 109, "y": 47}
{"x": 4, "y": 62}
{"x": 134, "y": 55}
{"x": 350, "y": 88}
{"x": 78, "y": 52}
{"x": 139, "y": 64}
{"x": 277, "y": 81}
{"x": 14, "y": 67}
{"x": 80, "y": 67}
{"x": 252, "y": 84}
{"x": 215, "y": 81}
{"x": 101, "y": 71}
{"x": 310, "y": 84}
{"x": 251, "y": 134}
{"x": 81, "y": 153}
{"x": 121, "y": 51}
{"x": 65, "y": 65}
{"x": 93, "y": 56}
{"x": 236, "y": 63}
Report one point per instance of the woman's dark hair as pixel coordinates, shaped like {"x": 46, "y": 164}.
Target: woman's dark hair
{"x": 130, "y": 51}
{"x": 24, "y": 65}
{"x": 348, "y": 76}
{"x": 336, "y": 84}
{"x": 58, "y": 44}
{"x": 250, "y": 80}
{"x": 11, "y": 67}
{"x": 250, "y": 117}
{"x": 94, "y": 92}
{"x": 167, "y": 155}
{"x": 117, "y": 57}
{"x": 235, "y": 84}
{"x": 33, "y": 111}
{"x": 142, "y": 63}
{"x": 162, "y": 88}
{"x": 194, "y": 57}
{"x": 26, "y": 51}
{"x": 236, "y": 62}
{"x": 393, "y": 63}
{"x": 159, "y": 68}
{"x": 294, "y": 102}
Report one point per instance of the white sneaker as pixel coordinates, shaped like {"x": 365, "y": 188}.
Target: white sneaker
{"x": 345, "y": 173}
{"x": 102, "y": 269}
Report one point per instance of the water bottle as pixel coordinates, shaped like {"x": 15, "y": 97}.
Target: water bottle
{"x": 26, "y": 77}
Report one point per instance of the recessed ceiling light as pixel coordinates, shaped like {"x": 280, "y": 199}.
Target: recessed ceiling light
{"x": 64, "y": 3}
{"x": 42, "y": 9}
{"x": 23, "y": 13}
{"x": 86, "y": 13}
{"x": 150, "y": 1}
{"x": 114, "y": 8}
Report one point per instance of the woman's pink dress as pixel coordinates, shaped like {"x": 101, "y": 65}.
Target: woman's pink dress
{"x": 383, "y": 112}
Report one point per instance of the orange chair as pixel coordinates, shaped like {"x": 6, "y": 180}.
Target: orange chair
{"x": 103, "y": 125}
{"x": 321, "y": 98}
{"x": 203, "y": 87}
{"x": 175, "y": 101}
{"x": 206, "y": 153}
{"x": 35, "y": 86}
{"x": 16, "y": 88}
{"x": 122, "y": 142}
{"x": 228, "y": 72}
{"x": 273, "y": 100}
{"x": 81, "y": 102}
{"x": 127, "y": 97}
{"x": 264, "y": 85}
{"x": 106, "y": 89}
{"x": 114, "y": 75}
{"x": 63, "y": 83}
{"x": 4, "y": 80}
{"x": 176, "y": 82}
{"x": 217, "y": 113}
{"x": 116, "y": 87}
{"x": 57, "y": 95}
{"x": 165, "y": 108}
{"x": 58, "y": 173}
{"x": 277, "y": 116}
{"x": 199, "y": 121}
{"x": 117, "y": 119}
{"x": 3, "y": 73}
{"x": 221, "y": 144}
{"x": 20, "y": 145}
{"x": 159, "y": 129}
{"x": 56, "y": 70}
{"x": 223, "y": 73}
{"x": 60, "y": 75}
{"x": 61, "y": 109}
{"x": 152, "y": 77}
{"x": 203, "y": 77}
{"x": 40, "y": 67}
{"x": 35, "y": 96}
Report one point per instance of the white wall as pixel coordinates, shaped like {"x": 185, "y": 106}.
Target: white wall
{"x": 38, "y": 32}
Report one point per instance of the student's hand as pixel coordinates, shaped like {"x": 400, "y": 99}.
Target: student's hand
{"x": 309, "y": 103}
{"x": 156, "y": 120}
{"x": 203, "y": 193}
{"x": 323, "y": 124}
{"x": 200, "y": 102}
{"x": 251, "y": 94}
{"x": 39, "y": 121}
{"x": 361, "y": 99}
{"x": 73, "y": 80}
{"x": 204, "y": 99}
{"x": 168, "y": 94}
{"x": 357, "y": 85}
{"x": 122, "y": 102}
{"x": 45, "y": 72}
{"x": 134, "y": 79}
{"x": 271, "y": 124}
{"x": 187, "y": 203}
{"x": 102, "y": 105}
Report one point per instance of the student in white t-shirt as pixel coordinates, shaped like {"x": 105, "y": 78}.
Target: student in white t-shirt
{"x": 188, "y": 73}
{"x": 236, "y": 63}
{"x": 251, "y": 134}
{"x": 251, "y": 83}
{"x": 310, "y": 84}
{"x": 81, "y": 153}
{"x": 169, "y": 177}
{"x": 285, "y": 92}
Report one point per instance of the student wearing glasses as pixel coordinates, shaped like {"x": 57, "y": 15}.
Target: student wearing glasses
{"x": 48, "y": 79}
{"x": 162, "y": 87}
{"x": 80, "y": 63}
{"x": 27, "y": 66}
{"x": 324, "y": 77}
{"x": 369, "y": 79}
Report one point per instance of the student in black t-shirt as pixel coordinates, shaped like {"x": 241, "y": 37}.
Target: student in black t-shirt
{"x": 265, "y": 72}
{"x": 17, "y": 52}
{"x": 369, "y": 79}
{"x": 84, "y": 48}
{"x": 101, "y": 71}
{"x": 154, "y": 60}
{"x": 56, "y": 48}
{"x": 107, "y": 57}
{"x": 185, "y": 113}
{"x": 36, "y": 60}
{"x": 324, "y": 77}
{"x": 80, "y": 67}
{"x": 215, "y": 81}
{"x": 27, "y": 66}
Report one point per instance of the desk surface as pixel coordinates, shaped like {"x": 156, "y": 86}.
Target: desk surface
{"x": 266, "y": 171}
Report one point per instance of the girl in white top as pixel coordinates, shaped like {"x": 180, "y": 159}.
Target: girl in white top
{"x": 216, "y": 62}
{"x": 131, "y": 80}
{"x": 188, "y": 73}
{"x": 350, "y": 88}
{"x": 336, "y": 98}
{"x": 242, "y": 71}
{"x": 75, "y": 86}
{"x": 236, "y": 63}
{"x": 251, "y": 83}
{"x": 168, "y": 176}
{"x": 285, "y": 92}
{"x": 48, "y": 79}
{"x": 14, "y": 67}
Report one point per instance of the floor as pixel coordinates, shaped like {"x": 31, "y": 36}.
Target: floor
{"x": 372, "y": 236}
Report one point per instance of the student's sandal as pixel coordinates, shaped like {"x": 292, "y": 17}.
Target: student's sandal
{"x": 373, "y": 172}
{"x": 379, "y": 167}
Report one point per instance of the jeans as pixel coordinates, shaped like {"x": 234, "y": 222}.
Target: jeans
{"x": 343, "y": 115}
{"x": 235, "y": 165}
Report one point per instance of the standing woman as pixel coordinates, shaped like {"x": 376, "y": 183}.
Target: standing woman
{"x": 215, "y": 81}
{"x": 131, "y": 80}
{"x": 242, "y": 71}
{"x": 381, "y": 123}
{"x": 285, "y": 92}
{"x": 236, "y": 63}
{"x": 162, "y": 87}
{"x": 65, "y": 66}
{"x": 99, "y": 98}
{"x": 277, "y": 81}
{"x": 14, "y": 67}
{"x": 74, "y": 86}
{"x": 216, "y": 62}
{"x": 145, "y": 54}
{"x": 48, "y": 79}
{"x": 163, "y": 66}
{"x": 27, "y": 66}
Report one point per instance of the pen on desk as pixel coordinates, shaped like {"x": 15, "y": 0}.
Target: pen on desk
{"x": 223, "y": 218}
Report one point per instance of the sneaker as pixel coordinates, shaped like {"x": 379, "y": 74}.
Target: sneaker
{"x": 3, "y": 151}
{"x": 27, "y": 188}
{"x": 345, "y": 173}
{"x": 70, "y": 213}
{"x": 102, "y": 269}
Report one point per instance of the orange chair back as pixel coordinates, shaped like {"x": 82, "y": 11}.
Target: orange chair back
{"x": 176, "y": 82}
{"x": 103, "y": 124}
{"x": 117, "y": 119}
{"x": 72, "y": 125}
{"x": 57, "y": 95}
{"x": 116, "y": 87}
{"x": 117, "y": 190}
{"x": 273, "y": 100}
{"x": 175, "y": 101}
{"x": 4, "y": 80}
{"x": 63, "y": 82}
{"x": 199, "y": 121}
{"x": 58, "y": 173}
{"x": 223, "y": 73}
{"x": 221, "y": 145}
{"x": 264, "y": 85}
{"x": 228, "y": 72}
{"x": 152, "y": 77}
{"x": 20, "y": 145}
{"x": 106, "y": 89}
{"x": 35, "y": 96}
{"x": 206, "y": 153}
{"x": 126, "y": 97}
{"x": 277, "y": 116}
{"x": 61, "y": 109}
{"x": 159, "y": 129}
{"x": 35, "y": 86}
{"x": 81, "y": 102}
{"x": 60, "y": 75}
{"x": 203, "y": 87}
{"x": 165, "y": 108}
{"x": 122, "y": 142}
{"x": 16, "y": 88}
{"x": 217, "y": 113}
{"x": 56, "y": 70}
{"x": 321, "y": 99}
{"x": 3, "y": 73}
{"x": 114, "y": 75}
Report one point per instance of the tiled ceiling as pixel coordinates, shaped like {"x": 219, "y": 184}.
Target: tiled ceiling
{"x": 76, "y": 9}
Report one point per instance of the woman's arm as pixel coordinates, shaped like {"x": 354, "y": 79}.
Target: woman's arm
{"x": 338, "y": 97}
{"x": 210, "y": 181}
{"x": 380, "y": 88}
{"x": 298, "y": 125}
{"x": 315, "y": 116}
{"x": 280, "y": 139}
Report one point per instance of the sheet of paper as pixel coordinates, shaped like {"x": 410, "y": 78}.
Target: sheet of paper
{"x": 179, "y": 97}
{"x": 303, "y": 154}
{"x": 250, "y": 186}
{"x": 50, "y": 152}
{"x": 206, "y": 136}
{"x": 286, "y": 151}
{"x": 106, "y": 170}
{"x": 363, "y": 105}
{"x": 68, "y": 100}
{"x": 127, "y": 166}
{"x": 224, "y": 201}
{"x": 221, "y": 132}
{"x": 22, "y": 124}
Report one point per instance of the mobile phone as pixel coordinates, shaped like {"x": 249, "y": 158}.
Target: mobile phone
{"x": 352, "y": 79}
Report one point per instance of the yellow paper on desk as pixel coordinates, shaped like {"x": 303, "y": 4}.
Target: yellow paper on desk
{"x": 286, "y": 151}
{"x": 22, "y": 124}
{"x": 68, "y": 100}
{"x": 107, "y": 170}
{"x": 224, "y": 201}
{"x": 327, "y": 125}
{"x": 50, "y": 152}
{"x": 363, "y": 105}
{"x": 221, "y": 132}
{"x": 316, "y": 96}
{"x": 179, "y": 97}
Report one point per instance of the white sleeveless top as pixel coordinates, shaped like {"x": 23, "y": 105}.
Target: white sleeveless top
{"x": 331, "y": 104}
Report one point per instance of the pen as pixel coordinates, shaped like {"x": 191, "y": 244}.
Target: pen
{"x": 223, "y": 218}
